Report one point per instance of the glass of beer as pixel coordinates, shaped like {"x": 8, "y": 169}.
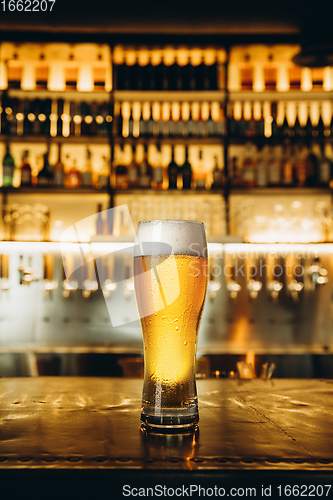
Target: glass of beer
{"x": 170, "y": 281}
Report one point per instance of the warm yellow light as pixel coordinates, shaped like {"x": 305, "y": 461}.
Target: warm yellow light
{"x": 182, "y": 56}
{"x": 118, "y": 54}
{"x": 326, "y": 113}
{"x": 109, "y": 118}
{"x": 130, "y": 56}
{"x": 257, "y": 110}
{"x": 302, "y": 113}
{"x": 306, "y": 79}
{"x": 88, "y": 119}
{"x": 156, "y": 57}
{"x": 237, "y": 110}
{"x": 291, "y": 113}
{"x": 327, "y": 80}
{"x": 126, "y": 110}
{"x": 282, "y": 78}
{"x": 215, "y": 111}
{"x": 234, "y": 77}
{"x": 166, "y": 111}
{"x": 3, "y": 76}
{"x": 99, "y": 119}
{"x": 136, "y": 111}
{"x": 85, "y": 80}
{"x": 41, "y": 117}
{"x": 258, "y": 77}
{"x": 195, "y": 111}
{"x": 156, "y": 111}
{"x": 28, "y": 79}
{"x": 77, "y": 119}
{"x": 247, "y": 111}
{"x": 175, "y": 111}
{"x": 31, "y": 117}
{"x": 196, "y": 56}
{"x": 20, "y": 117}
{"x": 205, "y": 111}
{"x": 185, "y": 111}
{"x": 146, "y": 110}
{"x": 280, "y": 113}
{"x": 56, "y": 79}
{"x": 314, "y": 113}
{"x": 169, "y": 56}
{"x": 143, "y": 56}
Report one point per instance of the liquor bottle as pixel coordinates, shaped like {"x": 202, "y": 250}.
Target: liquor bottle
{"x": 61, "y": 103}
{"x": 133, "y": 174}
{"x": 301, "y": 167}
{"x": 232, "y": 121}
{"x": 320, "y": 126}
{"x": 274, "y": 126}
{"x": 144, "y": 171}
{"x": 87, "y": 173}
{"x": 45, "y": 176}
{"x": 73, "y": 178}
{"x": 36, "y": 124}
{"x": 324, "y": 170}
{"x": 44, "y": 118}
{"x": 288, "y": 175}
{"x": 213, "y": 76}
{"x": 25, "y": 170}
{"x": 58, "y": 170}
{"x": 202, "y": 79}
{"x": 137, "y": 71}
{"x": 100, "y": 224}
{"x": 234, "y": 175}
{"x": 157, "y": 177}
{"x": 121, "y": 173}
{"x": 311, "y": 170}
{"x": 241, "y": 125}
{"x": 249, "y": 165}
{"x": 72, "y": 115}
{"x": 261, "y": 172}
{"x": 286, "y": 130}
{"x": 251, "y": 129}
{"x": 274, "y": 169}
{"x": 27, "y": 124}
{"x": 309, "y": 127}
{"x": 8, "y": 167}
{"x": 104, "y": 175}
{"x": 151, "y": 75}
{"x": 297, "y": 126}
{"x": 173, "y": 171}
{"x": 12, "y": 117}
{"x": 186, "y": 170}
{"x": 217, "y": 176}
{"x": 200, "y": 173}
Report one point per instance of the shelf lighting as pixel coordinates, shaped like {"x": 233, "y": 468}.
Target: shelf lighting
{"x": 28, "y": 79}
{"x": 3, "y": 76}
{"x": 85, "y": 80}
{"x": 306, "y": 79}
{"x": 56, "y": 80}
{"x": 282, "y": 78}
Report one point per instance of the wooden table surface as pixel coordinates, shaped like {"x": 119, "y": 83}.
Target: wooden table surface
{"x": 77, "y": 423}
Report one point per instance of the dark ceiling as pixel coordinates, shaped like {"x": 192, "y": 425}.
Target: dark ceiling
{"x": 233, "y": 19}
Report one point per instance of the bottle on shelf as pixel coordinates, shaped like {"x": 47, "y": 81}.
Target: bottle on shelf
{"x": 121, "y": 172}
{"x": 249, "y": 165}
{"x": 104, "y": 175}
{"x": 186, "y": 170}
{"x": 288, "y": 173}
{"x": 200, "y": 173}
{"x": 324, "y": 168}
{"x": 8, "y": 167}
{"x": 274, "y": 169}
{"x": 45, "y": 175}
{"x": 173, "y": 170}
{"x": 301, "y": 166}
{"x": 261, "y": 172}
{"x": 133, "y": 174}
{"x": 217, "y": 176}
{"x": 100, "y": 223}
{"x": 157, "y": 177}
{"x": 58, "y": 170}
{"x": 61, "y": 103}
{"x": 26, "y": 177}
{"x": 234, "y": 174}
{"x": 311, "y": 169}
{"x": 73, "y": 177}
{"x": 87, "y": 173}
{"x": 144, "y": 171}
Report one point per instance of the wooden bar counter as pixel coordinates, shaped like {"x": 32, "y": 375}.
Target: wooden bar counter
{"x": 86, "y": 431}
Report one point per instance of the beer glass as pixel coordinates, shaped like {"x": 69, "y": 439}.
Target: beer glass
{"x": 170, "y": 281}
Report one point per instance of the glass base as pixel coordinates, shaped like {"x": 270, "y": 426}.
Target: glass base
{"x": 170, "y": 420}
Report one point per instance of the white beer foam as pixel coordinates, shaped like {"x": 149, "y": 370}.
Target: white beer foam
{"x": 185, "y": 238}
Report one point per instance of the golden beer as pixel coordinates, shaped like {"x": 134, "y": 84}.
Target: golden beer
{"x": 170, "y": 292}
